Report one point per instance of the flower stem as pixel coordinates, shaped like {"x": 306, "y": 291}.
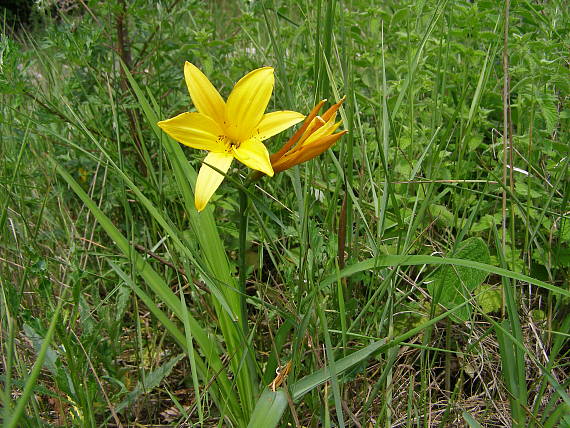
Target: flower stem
{"x": 242, "y": 281}
{"x": 242, "y": 263}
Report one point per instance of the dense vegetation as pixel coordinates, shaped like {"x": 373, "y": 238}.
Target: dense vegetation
{"x": 416, "y": 274}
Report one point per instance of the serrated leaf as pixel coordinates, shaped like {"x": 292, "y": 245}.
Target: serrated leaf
{"x": 453, "y": 285}
{"x": 523, "y": 189}
{"x": 37, "y": 340}
{"x": 150, "y": 381}
{"x": 549, "y": 113}
{"x": 442, "y": 214}
{"x": 485, "y": 223}
{"x": 489, "y": 298}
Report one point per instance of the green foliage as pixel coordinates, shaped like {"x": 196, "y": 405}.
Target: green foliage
{"x": 452, "y": 286}
{"x": 488, "y": 298}
{"x": 149, "y": 381}
{"x": 107, "y": 271}
{"x": 269, "y": 409}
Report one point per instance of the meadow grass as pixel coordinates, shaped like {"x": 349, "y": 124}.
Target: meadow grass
{"x": 414, "y": 275}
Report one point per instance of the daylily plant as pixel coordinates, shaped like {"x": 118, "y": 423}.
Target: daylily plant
{"x": 230, "y": 129}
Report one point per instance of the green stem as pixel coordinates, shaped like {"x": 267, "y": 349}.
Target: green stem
{"x": 250, "y": 358}
{"x": 242, "y": 263}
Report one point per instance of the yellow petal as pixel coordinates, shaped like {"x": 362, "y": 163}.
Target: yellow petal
{"x": 276, "y": 122}
{"x": 319, "y": 146}
{"x": 247, "y": 103}
{"x": 254, "y": 154}
{"x": 205, "y": 97}
{"x": 209, "y": 179}
{"x": 195, "y": 130}
{"x": 315, "y": 124}
{"x": 327, "y": 129}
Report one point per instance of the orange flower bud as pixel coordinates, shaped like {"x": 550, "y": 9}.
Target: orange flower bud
{"x": 314, "y": 137}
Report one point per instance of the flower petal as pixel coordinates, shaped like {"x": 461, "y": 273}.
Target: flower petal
{"x": 327, "y": 129}
{"x": 333, "y": 109}
{"x": 305, "y": 153}
{"x": 195, "y": 130}
{"x": 274, "y": 123}
{"x": 247, "y": 103}
{"x": 209, "y": 179}
{"x": 254, "y": 154}
{"x": 315, "y": 124}
{"x": 300, "y": 132}
{"x": 205, "y": 97}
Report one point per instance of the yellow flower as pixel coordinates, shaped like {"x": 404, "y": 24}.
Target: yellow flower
{"x": 228, "y": 130}
{"x": 313, "y": 138}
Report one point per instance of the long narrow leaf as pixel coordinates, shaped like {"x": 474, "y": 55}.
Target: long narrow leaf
{"x": 385, "y": 261}
{"x": 155, "y": 282}
{"x": 13, "y": 420}
{"x": 269, "y": 409}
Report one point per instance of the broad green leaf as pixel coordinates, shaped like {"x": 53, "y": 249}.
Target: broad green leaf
{"x": 453, "y": 285}
{"x": 442, "y": 214}
{"x": 489, "y": 298}
{"x": 268, "y": 409}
